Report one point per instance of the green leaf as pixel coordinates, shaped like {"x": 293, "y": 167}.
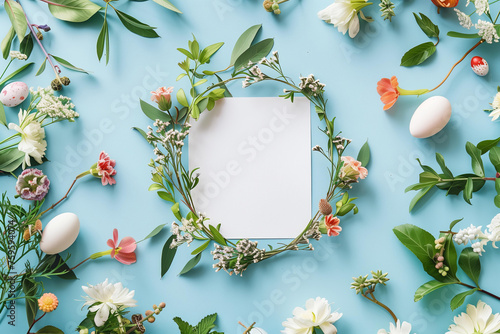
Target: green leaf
{"x": 141, "y": 131}
{"x": 176, "y": 211}
{"x": 136, "y": 26}
{"x": 184, "y": 327}
{"x": 168, "y": 5}
{"x": 154, "y": 232}
{"x": 154, "y": 113}
{"x": 166, "y": 196}
{"x": 17, "y": 18}
{"x": 74, "y": 10}
{"x": 364, "y": 154}
{"x": 446, "y": 171}
{"x": 103, "y": 41}
{"x": 419, "y": 196}
{"x": 167, "y": 255}
{"x": 455, "y": 222}
{"x": 495, "y": 157}
{"x": 418, "y": 54}
{"x": 486, "y": 145}
{"x": 450, "y": 255}
{"x": 470, "y": 264}
{"x": 459, "y": 299}
{"x": 201, "y": 248}
{"x": 181, "y": 98}
{"x": 462, "y": 35}
{"x": 496, "y": 200}
{"x": 244, "y": 42}
{"x": 217, "y": 236}
{"x": 49, "y": 330}
{"x": 16, "y": 72}
{"x": 429, "y": 287}
{"x": 191, "y": 264}
{"x": 429, "y": 28}
{"x": 206, "y": 324}
{"x": 476, "y": 161}
{"x": 209, "y": 51}
{"x": 68, "y": 65}
{"x": 7, "y": 42}
{"x": 26, "y": 45}
{"x": 468, "y": 191}
{"x": 30, "y": 289}
{"x": 3, "y": 118}
{"x": 11, "y": 159}
{"x": 418, "y": 242}
{"x": 255, "y": 53}
{"x": 155, "y": 186}
{"x": 42, "y": 68}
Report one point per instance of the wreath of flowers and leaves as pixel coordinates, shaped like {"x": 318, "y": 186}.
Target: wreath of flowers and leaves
{"x": 172, "y": 180}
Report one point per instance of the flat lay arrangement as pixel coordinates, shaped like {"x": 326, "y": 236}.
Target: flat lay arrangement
{"x": 209, "y": 137}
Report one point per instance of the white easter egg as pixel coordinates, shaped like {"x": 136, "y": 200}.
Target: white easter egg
{"x": 14, "y": 94}
{"x": 60, "y": 233}
{"x": 256, "y": 330}
{"x": 430, "y": 117}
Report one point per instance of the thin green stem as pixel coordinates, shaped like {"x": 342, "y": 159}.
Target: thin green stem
{"x": 5, "y": 70}
{"x": 385, "y": 307}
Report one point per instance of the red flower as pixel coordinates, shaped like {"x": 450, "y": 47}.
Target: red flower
{"x": 332, "y": 224}
{"x": 105, "y": 169}
{"x": 388, "y": 91}
{"x": 124, "y": 251}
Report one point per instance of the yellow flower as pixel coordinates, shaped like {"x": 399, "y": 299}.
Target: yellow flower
{"x": 48, "y": 302}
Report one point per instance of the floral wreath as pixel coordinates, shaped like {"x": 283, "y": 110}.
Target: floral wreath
{"x": 172, "y": 180}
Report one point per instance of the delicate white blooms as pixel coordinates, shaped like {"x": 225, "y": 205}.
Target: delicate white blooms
{"x": 478, "y": 320}
{"x": 310, "y": 85}
{"x": 343, "y": 14}
{"x": 495, "y": 113}
{"x": 183, "y": 233}
{"x": 487, "y": 31}
{"x": 482, "y": 6}
{"x": 54, "y": 106}
{"x": 17, "y": 55}
{"x": 404, "y": 328}
{"x": 105, "y": 298}
{"x": 318, "y": 313}
{"x": 471, "y": 233}
{"x": 464, "y": 19}
{"x": 494, "y": 230}
{"x": 32, "y": 143}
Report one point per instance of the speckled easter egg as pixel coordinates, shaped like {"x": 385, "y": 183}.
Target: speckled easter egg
{"x": 480, "y": 66}
{"x": 60, "y": 233}
{"x": 14, "y": 94}
{"x": 430, "y": 117}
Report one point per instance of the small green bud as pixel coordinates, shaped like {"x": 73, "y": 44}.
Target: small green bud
{"x": 56, "y": 85}
{"x": 65, "y": 81}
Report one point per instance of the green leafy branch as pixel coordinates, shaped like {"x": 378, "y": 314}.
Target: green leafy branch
{"x": 422, "y": 52}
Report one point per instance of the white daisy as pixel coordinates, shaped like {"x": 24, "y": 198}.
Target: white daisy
{"x": 478, "y": 320}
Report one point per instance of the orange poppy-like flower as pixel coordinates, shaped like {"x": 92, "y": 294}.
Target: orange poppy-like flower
{"x": 445, "y": 3}
{"x": 388, "y": 91}
{"x": 48, "y": 302}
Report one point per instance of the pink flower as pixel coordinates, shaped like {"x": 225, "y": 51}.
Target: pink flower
{"x": 32, "y": 185}
{"x": 332, "y": 225}
{"x": 124, "y": 251}
{"x": 352, "y": 170}
{"x": 105, "y": 169}
{"x": 162, "y": 96}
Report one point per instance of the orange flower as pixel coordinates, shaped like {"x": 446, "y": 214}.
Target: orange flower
{"x": 445, "y": 3}
{"x": 48, "y": 302}
{"x": 388, "y": 91}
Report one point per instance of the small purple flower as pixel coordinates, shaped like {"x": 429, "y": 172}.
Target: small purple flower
{"x": 43, "y": 27}
{"x": 32, "y": 185}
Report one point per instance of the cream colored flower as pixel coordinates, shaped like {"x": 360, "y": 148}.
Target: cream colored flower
{"x": 343, "y": 14}
{"x": 478, "y": 320}
{"x": 495, "y": 113}
{"x": 317, "y": 313}
{"x": 404, "y": 328}
{"x": 32, "y": 142}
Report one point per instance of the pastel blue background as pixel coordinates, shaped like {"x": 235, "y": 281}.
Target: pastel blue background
{"x": 267, "y": 293}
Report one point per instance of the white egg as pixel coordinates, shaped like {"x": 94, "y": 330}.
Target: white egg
{"x": 430, "y": 117}
{"x": 14, "y": 94}
{"x": 60, "y": 233}
{"x": 256, "y": 330}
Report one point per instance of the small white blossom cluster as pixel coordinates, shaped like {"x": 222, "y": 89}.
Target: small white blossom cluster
{"x": 464, "y": 19}
{"x": 274, "y": 59}
{"x": 183, "y": 234}
{"x": 170, "y": 139}
{"x": 479, "y": 238}
{"x": 245, "y": 253}
{"x": 224, "y": 255}
{"x": 54, "y": 106}
{"x": 340, "y": 143}
{"x": 482, "y": 6}
{"x": 18, "y": 55}
{"x": 256, "y": 76}
{"x": 487, "y": 31}
{"x": 311, "y": 85}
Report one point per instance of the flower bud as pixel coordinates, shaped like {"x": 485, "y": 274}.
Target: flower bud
{"x": 162, "y": 305}
{"x": 268, "y": 5}
{"x": 56, "y": 85}
{"x": 39, "y": 35}
{"x": 324, "y": 207}
{"x": 65, "y": 81}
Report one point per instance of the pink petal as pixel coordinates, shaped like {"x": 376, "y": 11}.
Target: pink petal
{"x": 126, "y": 258}
{"x": 115, "y": 236}
{"x": 127, "y": 245}
{"x": 113, "y": 253}
{"x": 111, "y": 244}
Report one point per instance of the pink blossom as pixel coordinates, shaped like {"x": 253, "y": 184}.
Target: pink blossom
{"x": 162, "y": 93}
{"x": 352, "y": 170}
{"x": 32, "y": 185}
{"x": 332, "y": 224}
{"x": 124, "y": 251}
{"x": 105, "y": 169}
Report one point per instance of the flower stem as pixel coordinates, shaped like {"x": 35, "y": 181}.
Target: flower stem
{"x": 480, "y": 290}
{"x": 458, "y": 62}
{"x": 5, "y": 70}
{"x": 79, "y": 264}
{"x": 34, "y": 322}
{"x": 374, "y": 300}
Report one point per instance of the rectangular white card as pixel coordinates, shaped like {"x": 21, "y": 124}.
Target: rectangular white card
{"x": 254, "y": 156}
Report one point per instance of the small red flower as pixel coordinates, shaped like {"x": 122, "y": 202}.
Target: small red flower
{"x": 388, "y": 91}
{"x": 332, "y": 225}
{"x": 124, "y": 251}
{"x": 105, "y": 169}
